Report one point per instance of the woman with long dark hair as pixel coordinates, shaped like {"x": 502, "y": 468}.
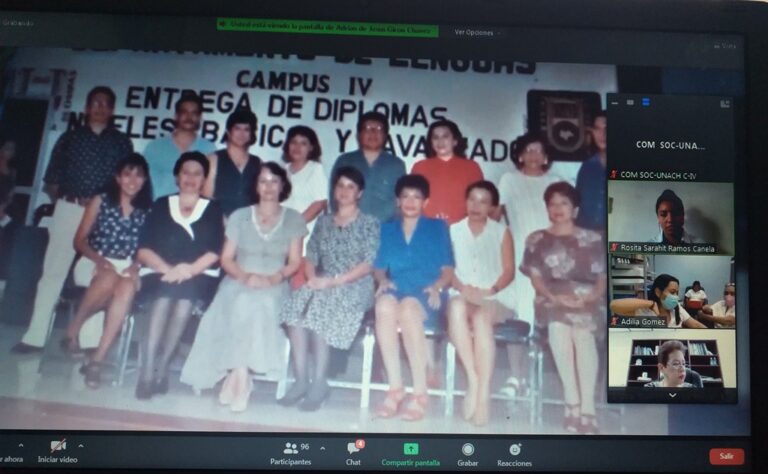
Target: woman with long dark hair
{"x": 663, "y": 301}
{"x": 107, "y": 240}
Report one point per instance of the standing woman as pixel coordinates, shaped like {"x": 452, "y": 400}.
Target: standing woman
{"x": 301, "y": 153}
{"x": 567, "y": 267}
{"x": 180, "y": 244}
{"x": 480, "y": 297}
{"x": 413, "y": 266}
{"x": 240, "y": 333}
{"x": 233, "y": 169}
{"x": 448, "y": 171}
{"x": 339, "y": 290}
{"x": 107, "y": 240}
{"x": 520, "y": 194}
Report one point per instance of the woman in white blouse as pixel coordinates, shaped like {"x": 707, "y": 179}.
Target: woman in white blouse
{"x": 481, "y": 293}
{"x": 301, "y": 153}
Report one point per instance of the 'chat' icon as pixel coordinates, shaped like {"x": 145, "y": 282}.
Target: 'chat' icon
{"x": 351, "y": 448}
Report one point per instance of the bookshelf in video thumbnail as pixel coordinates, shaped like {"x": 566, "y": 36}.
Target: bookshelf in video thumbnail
{"x": 671, "y": 249}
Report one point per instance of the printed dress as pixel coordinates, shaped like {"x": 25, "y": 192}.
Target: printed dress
{"x": 568, "y": 265}
{"x": 336, "y": 313}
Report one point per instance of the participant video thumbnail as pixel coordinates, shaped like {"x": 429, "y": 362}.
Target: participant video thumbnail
{"x": 670, "y": 217}
{"x": 671, "y": 366}
{"x": 655, "y": 137}
{"x": 672, "y": 291}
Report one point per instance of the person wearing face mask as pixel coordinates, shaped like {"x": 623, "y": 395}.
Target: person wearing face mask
{"x": 723, "y": 313}
{"x": 663, "y": 302}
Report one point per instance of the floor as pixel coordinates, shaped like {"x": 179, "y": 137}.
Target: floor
{"x": 47, "y": 392}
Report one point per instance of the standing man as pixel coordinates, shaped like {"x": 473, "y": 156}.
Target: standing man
{"x": 380, "y": 169}
{"x": 591, "y": 180}
{"x": 82, "y": 162}
{"x": 162, "y": 153}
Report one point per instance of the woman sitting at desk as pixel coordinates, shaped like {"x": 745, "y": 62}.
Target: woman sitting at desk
{"x": 663, "y": 302}
{"x": 671, "y": 366}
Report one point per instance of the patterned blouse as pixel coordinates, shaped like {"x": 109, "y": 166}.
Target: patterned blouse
{"x": 113, "y": 235}
{"x": 569, "y": 265}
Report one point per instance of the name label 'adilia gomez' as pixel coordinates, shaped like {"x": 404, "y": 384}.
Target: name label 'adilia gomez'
{"x": 668, "y": 145}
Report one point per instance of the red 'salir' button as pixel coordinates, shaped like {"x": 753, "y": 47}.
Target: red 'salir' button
{"x": 726, "y": 457}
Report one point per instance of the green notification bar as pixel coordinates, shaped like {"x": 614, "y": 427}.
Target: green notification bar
{"x": 327, "y": 27}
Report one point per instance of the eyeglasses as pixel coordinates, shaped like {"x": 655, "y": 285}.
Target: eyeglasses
{"x": 373, "y": 128}
{"x": 677, "y": 365}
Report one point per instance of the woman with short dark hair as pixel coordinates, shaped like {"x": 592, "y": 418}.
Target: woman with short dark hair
{"x": 240, "y": 333}
{"x": 329, "y": 308}
{"x": 232, "y": 169}
{"x": 448, "y": 171}
{"x": 180, "y": 245}
{"x": 412, "y": 268}
{"x": 480, "y": 297}
{"x": 566, "y": 265}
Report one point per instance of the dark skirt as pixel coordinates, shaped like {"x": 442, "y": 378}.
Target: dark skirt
{"x": 199, "y": 289}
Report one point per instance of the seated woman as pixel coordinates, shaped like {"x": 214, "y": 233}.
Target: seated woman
{"x": 671, "y": 366}
{"x": 180, "y": 245}
{"x": 107, "y": 239}
{"x": 413, "y": 266}
{"x": 723, "y": 313}
{"x": 329, "y": 308}
{"x": 663, "y": 302}
{"x": 480, "y": 297}
{"x": 566, "y": 265}
{"x": 240, "y": 333}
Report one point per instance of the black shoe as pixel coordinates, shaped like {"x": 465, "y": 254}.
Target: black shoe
{"x": 23, "y": 348}
{"x": 316, "y": 398}
{"x": 92, "y": 372}
{"x": 294, "y": 395}
{"x": 160, "y": 386}
{"x": 143, "y": 390}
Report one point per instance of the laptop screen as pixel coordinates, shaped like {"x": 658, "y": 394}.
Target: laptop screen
{"x": 278, "y": 243}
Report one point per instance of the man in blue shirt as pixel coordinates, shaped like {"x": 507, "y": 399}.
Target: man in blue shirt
{"x": 591, "y": 180}
{"x": 380, "y": 169}
{"x": 162, "y": 153}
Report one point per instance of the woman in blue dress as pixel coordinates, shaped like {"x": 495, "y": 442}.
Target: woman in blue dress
{"x": 413, "y": 266}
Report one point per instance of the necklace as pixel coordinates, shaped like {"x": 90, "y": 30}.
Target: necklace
{"x": 258, "y": 220}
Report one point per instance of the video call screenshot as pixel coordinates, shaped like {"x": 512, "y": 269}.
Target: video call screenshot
{"x": 259, "y": 243}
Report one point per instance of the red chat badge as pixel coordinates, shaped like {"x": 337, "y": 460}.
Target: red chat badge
{"x": 360, "y": 443}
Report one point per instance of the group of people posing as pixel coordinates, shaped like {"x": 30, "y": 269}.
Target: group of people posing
{"x": 280, "y": 253}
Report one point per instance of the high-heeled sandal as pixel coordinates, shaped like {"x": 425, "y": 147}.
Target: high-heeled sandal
{"x": 588, "y": 425}
{"x": 416, "y": 407}
{"x": 572, "y": 422}
{"x": 240, "y": 404}
{"x": 226, "y": 395}
{"x": 391, "y": 404}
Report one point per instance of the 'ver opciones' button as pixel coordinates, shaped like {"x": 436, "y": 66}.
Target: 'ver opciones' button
{"x": 726, "y": 457}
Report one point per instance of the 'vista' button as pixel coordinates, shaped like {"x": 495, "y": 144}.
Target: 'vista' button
{"x": 726, "y": 457}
